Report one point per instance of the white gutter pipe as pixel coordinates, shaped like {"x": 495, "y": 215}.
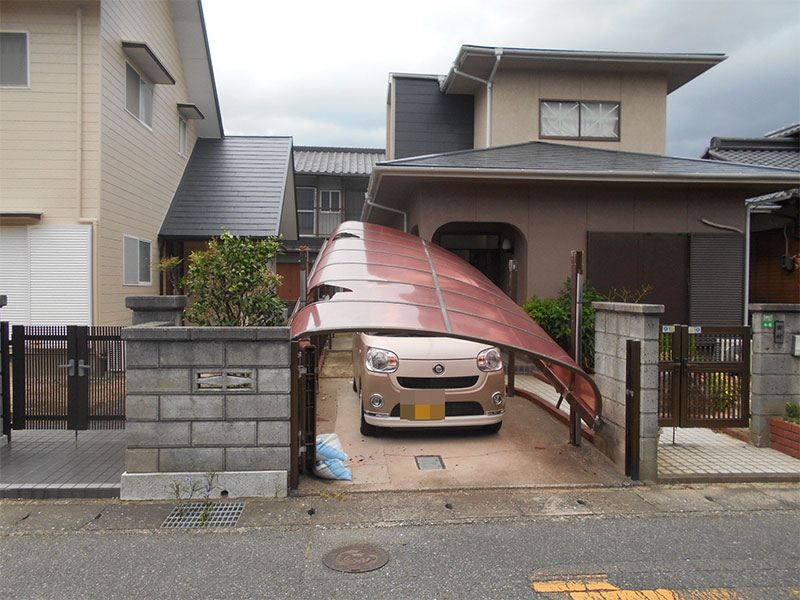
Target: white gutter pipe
{"x": 489, "y": 83}
{"x": 369, "y": 203}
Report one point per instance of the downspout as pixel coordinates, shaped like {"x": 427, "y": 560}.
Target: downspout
{"x": 369, "y": 203}
{"x": 489, "y": 83}
{"x": 746, "y": 317}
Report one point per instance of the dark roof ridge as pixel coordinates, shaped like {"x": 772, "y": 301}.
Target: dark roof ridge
{"x": 754, "y": 143}
{"x": 337, "y": 149}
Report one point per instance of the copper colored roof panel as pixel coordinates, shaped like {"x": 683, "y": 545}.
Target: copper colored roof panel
{"x": 373, "y": 278}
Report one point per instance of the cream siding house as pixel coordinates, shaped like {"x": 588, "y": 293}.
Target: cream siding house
{"x": 94, "y": 143}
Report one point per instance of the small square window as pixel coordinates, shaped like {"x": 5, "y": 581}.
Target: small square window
{"x": 138, "y": 96}
{"x": 136, "y": 260}
{"x": 14, "y": 59}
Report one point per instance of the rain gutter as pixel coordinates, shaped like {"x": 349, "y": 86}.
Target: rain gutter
{"x": 489, "y": 83}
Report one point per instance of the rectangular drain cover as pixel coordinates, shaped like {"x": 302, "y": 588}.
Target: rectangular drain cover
{"x": 428, "y": 463}
{"x": 223, "y": 514}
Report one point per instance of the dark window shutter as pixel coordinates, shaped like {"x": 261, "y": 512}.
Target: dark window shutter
{"x": 716, "y": 279}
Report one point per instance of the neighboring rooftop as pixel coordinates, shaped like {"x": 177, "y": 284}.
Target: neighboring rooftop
{"x": 479, "y": 61}
{"x": 574, "y": 162}
{"x": 235, "y": 184}
{"x": 779, "y": 148}
{"x": 323, "y": 160}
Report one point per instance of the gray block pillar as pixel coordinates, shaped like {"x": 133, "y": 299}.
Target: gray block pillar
{"x": 616, "y": 322}
{"x": 157, "y": 309}
{"x": 775, "y": 371}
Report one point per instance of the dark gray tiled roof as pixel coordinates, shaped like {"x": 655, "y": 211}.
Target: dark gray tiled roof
{"x": 792, "y": 130}
{"x": 535, "y": 157}
{"x": 317, "y": 160}
{"x": 782, "y": 159}
{"x": 235, "y": 184}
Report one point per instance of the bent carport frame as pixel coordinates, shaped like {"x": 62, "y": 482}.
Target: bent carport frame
{"x": 374, "y": 278}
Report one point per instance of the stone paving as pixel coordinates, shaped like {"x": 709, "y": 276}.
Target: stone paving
{"x": 59, "y": 464}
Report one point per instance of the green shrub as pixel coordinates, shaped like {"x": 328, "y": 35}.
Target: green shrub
{"x": 792, "y": 412}
{"x": 553, "y": 315}
{"x": 231, "y": 283}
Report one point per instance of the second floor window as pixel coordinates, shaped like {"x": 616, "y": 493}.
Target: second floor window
{"x": 182, "y": 141}
{"x": 13, "y": 59}
{"x": 579, "y": 120}
{"x": 318, "y": 211}
{"x": 138, "y": 96}
{"x": 135, "y": 261}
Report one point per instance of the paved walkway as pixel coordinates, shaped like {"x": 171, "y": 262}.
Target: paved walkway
{"x": 59, "y": 464}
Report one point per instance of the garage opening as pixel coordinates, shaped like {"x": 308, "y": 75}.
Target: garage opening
{"x": 387, "y": 283}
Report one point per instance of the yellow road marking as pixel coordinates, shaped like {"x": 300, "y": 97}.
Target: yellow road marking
{"x": 597, "y": 587}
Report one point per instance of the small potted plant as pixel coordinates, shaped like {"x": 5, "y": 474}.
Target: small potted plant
{"x": 785, "y": 432}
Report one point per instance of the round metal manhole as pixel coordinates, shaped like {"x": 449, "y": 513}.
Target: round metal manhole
{"x": 358, "y": 558}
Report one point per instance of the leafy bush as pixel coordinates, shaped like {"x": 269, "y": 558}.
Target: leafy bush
{"x": 792, "y": 412}
{"x": 232, "y": 283}
{"x": 553, "y": 315}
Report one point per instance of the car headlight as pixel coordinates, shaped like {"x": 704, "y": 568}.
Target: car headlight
{"x": 490, "y": 360}
{"x": 381, "y": 361}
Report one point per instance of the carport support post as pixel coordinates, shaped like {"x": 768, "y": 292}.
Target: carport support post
{"x": 575, "y": 336}
{"x": 512, "y": 356}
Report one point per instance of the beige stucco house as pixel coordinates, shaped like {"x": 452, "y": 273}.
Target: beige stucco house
{"x": 101, "y": 103}
{"x": 529, "y": 154}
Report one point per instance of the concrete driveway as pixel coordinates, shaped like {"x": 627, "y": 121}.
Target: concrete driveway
{"x": 531, "y": 449}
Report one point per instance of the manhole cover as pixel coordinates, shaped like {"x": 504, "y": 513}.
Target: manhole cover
{"x": 428, "y": 463}
{"x": 358, "y": 558}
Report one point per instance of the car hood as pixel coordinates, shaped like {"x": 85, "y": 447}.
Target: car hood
{"x": 426, "y": 348}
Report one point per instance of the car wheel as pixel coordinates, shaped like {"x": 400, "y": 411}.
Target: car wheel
{"x": 355, "y": 387}
{"x": 493, "y": 428}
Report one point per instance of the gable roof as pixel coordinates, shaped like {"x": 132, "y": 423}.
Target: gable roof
{"x": 478, "y": 61}
{"x": 236, "y": 184}
{"x": 325, "y": 160}
{"x": 545, "y": 160}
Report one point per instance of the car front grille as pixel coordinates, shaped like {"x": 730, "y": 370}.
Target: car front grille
{"x": 453, "y": 409}
{"x": 437, "y": 383}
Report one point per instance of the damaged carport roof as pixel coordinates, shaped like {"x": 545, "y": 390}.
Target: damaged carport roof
{"x": 373, "y": 278}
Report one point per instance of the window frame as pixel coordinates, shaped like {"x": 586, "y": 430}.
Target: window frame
{"x": 183, "y": 137}
{"x": 139, "y": 241}
{"x": 145, "y": 82}
{"x": 580, "y": 137}
{"x": 312, "y": 210}
{"x": 27, "y": 85}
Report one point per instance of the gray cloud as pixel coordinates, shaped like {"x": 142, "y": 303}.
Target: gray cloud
{"x": 318, "y": 70}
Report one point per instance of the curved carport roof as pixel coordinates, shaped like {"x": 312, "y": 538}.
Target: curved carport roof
{"x": 374, "y": 278}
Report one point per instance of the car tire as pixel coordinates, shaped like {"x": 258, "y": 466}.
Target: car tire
{"x": 366, "y": 429}
{"x": 493, "y": 428}
{"x": 355, "y": 387}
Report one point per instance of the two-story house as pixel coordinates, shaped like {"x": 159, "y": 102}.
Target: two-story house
{"x": 101, "y": 103}
{"x": 529, "y": 154}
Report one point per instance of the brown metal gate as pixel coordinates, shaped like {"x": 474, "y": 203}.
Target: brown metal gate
{"x": 67, "y": 377}
{"x": 704, "y": 376}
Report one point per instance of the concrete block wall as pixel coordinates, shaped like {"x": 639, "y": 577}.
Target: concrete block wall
{"x": 203, "y": 398}
{"x": 775, "y": 372}
{"x": 616, "y": 322}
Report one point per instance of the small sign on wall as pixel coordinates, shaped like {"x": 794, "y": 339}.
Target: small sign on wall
{"x": 767, "y": 322}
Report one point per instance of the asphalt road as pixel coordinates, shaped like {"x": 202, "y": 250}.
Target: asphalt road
{"x": 716, "y": 552}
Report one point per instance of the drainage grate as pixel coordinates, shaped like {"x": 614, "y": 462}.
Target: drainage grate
{"x": 222, "y": 514}
{"x": 358, "y": 558}
{"x": 429, "y": 463}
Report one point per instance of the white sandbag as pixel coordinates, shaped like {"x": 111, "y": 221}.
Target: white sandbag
{"x": 332, "y": 462}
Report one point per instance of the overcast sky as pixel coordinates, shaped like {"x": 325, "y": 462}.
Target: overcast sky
{"x": 318, "y": 71}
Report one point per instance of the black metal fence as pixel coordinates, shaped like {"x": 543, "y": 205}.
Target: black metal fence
{"x": 66, "y": 377}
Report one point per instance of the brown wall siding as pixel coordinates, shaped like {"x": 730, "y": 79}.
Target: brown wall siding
{"x": 768, "y": 281}
{"x": 555, "y": 219}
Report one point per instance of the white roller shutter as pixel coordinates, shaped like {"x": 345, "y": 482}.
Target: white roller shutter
{"x": 14, "y": 279}
{"x": 50, "y": 270}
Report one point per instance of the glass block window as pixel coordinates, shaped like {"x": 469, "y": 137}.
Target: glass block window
{"x": 579, "y": 120}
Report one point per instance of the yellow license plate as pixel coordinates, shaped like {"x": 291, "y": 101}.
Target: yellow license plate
{"x": 422, "y": 412}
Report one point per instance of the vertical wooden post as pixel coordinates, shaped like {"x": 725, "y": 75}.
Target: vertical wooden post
{"x": 512, "y": 356}
{"x": 633, "y": 370}
{"x": 18, "y": 374}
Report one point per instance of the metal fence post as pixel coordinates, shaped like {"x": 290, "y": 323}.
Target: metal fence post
{"x": 633, "y": 354}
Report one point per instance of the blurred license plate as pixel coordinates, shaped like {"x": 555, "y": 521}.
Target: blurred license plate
{"x": 422, "y": 412}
